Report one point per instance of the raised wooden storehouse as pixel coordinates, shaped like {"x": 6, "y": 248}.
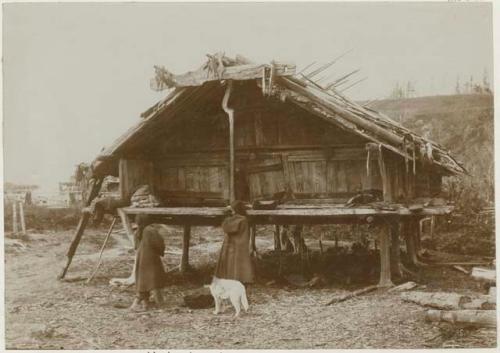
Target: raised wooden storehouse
{"x": 233, "y": 129}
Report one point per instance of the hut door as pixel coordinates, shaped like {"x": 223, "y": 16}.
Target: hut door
{"x": 265, "y": 178}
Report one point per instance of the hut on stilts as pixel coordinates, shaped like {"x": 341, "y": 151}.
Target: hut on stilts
{"x": 234, "y": 129}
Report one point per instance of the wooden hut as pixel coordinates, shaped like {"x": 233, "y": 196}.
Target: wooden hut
{"x": 235, "y": 129}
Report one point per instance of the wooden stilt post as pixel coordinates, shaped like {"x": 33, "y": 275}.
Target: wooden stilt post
{"x": 277, "y": 245}
{"x": 277, "y": 242}
{"x": 417, "y": 234}
{"x": 230, "y": 114}
{"x": 395, "y": 250}
{"x": 21, "y": 217}
{"x": 185, "y": 249}
{"x": 385, "y": 265}
{"x": 410, "y": 228}
{"x": 253, "y": 231}
{"x": 127, "y": 226}
{"x": 15, "y": 228}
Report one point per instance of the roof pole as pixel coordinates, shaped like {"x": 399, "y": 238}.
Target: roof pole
{"x": 230, "y": 114}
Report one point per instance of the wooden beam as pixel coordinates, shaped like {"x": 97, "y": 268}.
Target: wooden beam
{"x": 185, "y": 249}
{"x": 230, "y": 114}
{"x": 385, "y": 265}
{"x": 330, "y": 211}
{"x": 240, "y": 72}
{"x": 82, "y": 224}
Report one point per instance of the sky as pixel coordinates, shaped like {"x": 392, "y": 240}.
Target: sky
{"x": 76, "y": 75}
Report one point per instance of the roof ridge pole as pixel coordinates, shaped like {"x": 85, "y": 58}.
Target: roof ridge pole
{"x": 230, "y": 114}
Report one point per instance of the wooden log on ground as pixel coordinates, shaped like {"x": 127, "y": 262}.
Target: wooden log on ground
{"x": 438, "y": 300}
{"x": 460, "y": 263}
{"x": 484, "y": 274}
{"x": 356, "y": 293}
{"x": 461, "y": 269}
{"x": 482, "y": 318}
{"x": 385, "y": 261}
{"x": 403, "y": 287}
{"x": 480, "y": 303}
{"x": 184, "y": 266}
{"x": 492, "y": 293}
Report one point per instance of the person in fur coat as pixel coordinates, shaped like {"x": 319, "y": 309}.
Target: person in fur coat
{"x": 234, "y": 259}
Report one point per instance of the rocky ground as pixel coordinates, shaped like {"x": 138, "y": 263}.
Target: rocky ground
{"x": 45, "y": 313}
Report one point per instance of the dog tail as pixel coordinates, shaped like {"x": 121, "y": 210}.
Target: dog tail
{"x": 244, "y": 301}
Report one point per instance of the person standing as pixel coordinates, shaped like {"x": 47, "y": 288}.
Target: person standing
{"x": 149, "y": 274}
{"x": 234, "y": 258}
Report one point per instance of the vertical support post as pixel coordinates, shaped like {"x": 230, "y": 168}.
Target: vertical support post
{"x": 21, "y": 217}
{"x": 277, "y": 246}
{"x": 416, "y": 236}
{"x": 385, "y": 265}
{"x": 395, "y": 250}
{"x": 230, "y": 114}
{"x": 96, "y": 186}
{"x": 277, "y": 241}
{"x": 127, "y": 226}
{"x": 253, "y": 231}
{"x": 15, "y": 228}
{"x": 386, "y": 182}
{"x": 411, "y": 246}
{"x": 185, "y": 248}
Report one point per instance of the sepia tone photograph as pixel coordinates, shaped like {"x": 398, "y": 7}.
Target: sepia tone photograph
{"x": 248, "y": 175}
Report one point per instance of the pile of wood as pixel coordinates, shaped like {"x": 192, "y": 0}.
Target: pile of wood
{"x": 484, "y": 274}
{"x": 479, "y": 310}
{"x": 143, "y": 197}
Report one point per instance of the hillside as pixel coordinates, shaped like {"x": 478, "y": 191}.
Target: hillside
{"x": 461, "y": 123}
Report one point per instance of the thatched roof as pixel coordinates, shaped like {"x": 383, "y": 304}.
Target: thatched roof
{"x": 280, "y": 80}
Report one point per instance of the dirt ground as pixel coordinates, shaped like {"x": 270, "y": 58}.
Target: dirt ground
{"x": 45, "y": 313}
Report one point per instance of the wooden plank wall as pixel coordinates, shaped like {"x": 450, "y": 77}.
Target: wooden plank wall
{"x": 265, "y": 178}
{"x": 134, "y": 173}
{"x": 279, "y": 147}
{"x": 193, "y": 176}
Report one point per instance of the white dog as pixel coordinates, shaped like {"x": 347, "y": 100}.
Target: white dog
{"x": 228, "y": 288}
